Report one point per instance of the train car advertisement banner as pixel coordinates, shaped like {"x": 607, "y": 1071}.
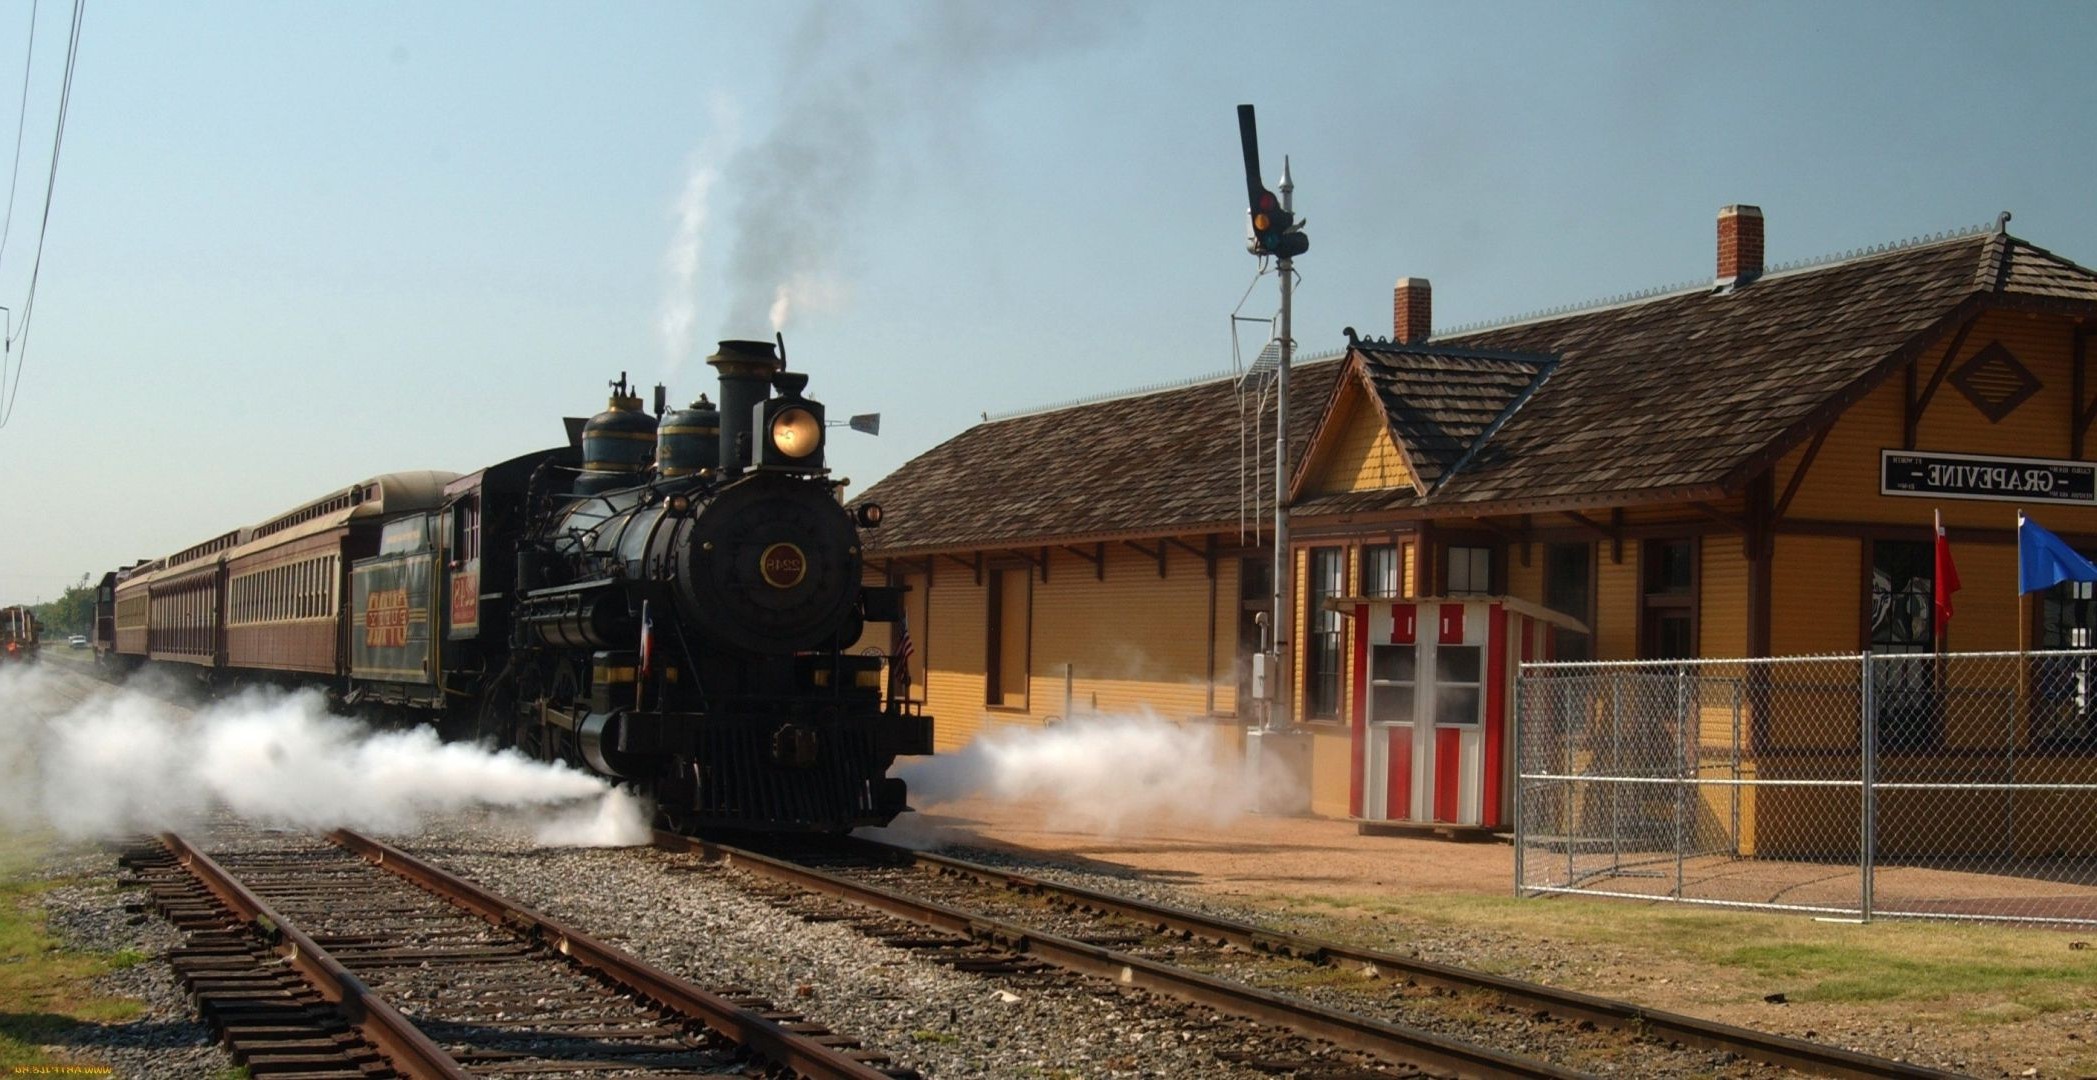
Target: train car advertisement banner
{"x": 390, "y": 631}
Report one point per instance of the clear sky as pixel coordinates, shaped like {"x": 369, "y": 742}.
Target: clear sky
{"x": 295, "y": 245}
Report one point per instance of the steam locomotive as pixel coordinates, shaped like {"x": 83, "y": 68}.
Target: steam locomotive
{"x": 671, "y": 601}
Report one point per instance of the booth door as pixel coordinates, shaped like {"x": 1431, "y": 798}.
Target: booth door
{"x": 1450, "y": 739}
{"x": 1388, "y": 765}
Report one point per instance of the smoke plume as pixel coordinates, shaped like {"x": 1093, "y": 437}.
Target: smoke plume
{"x": 1095, "y": 774}
{"x": 853, "y": 105}
{"x": 680, "y": 309}
{"x": 87, "y": 761}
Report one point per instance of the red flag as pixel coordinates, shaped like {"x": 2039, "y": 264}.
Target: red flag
{"x": 1947, "y": 578}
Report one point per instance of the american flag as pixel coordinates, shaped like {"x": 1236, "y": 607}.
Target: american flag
{"x": 899, "y": 680}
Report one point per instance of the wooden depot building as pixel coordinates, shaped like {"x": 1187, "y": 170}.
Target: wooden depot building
{"x": 1743, "y": 468}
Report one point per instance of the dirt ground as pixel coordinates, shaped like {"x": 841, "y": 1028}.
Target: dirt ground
{"x": 1991, "y": 1000}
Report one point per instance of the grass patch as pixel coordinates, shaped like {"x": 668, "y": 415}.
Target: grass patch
{"x": 44, "y": 989}
{"x": 927, "y": 1035}
{"x": 1984, "y": 974}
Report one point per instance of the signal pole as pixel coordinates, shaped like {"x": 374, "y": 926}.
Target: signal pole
{"x": 1276, "y": 233}
{"x": 1280, "y": 715}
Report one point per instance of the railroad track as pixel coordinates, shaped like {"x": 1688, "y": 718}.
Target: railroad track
{"x": 1138, "y": 943}
{"x": 347, "y": 957}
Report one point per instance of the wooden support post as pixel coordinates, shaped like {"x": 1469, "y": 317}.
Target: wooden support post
{"x": 1911, "y": 419}
{"x": 1157, "y": 553}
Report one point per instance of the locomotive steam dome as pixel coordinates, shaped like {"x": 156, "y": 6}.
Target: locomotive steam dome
{"x": 689, "y": 439}
{"x": 618, "y": 443}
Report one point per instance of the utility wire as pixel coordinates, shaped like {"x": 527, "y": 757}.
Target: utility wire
{"x": 36, "y": 266}
{"x": 21, "y": 114}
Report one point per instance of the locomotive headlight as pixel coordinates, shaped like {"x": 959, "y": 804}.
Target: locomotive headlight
{"x": 869, "y": 515}
{"x": 796, "y": 433}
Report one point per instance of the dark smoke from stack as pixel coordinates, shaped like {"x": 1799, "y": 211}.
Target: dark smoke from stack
{"x": 849, "y": 119}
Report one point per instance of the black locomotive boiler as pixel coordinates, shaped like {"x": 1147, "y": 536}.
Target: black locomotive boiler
{"x": 672, "y": 601}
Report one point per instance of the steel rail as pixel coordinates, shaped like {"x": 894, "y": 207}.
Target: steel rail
{"x": 410, "y": 1051}
{"x": 1390, "y": 1041}
{"x": 1567, "y": 1004}
{"x": 805, "y": 1055}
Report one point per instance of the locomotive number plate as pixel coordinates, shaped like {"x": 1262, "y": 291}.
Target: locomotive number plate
{"x": 783, "y": 566}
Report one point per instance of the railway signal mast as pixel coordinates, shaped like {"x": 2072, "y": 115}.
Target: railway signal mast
{"x": 1277, "y": 234}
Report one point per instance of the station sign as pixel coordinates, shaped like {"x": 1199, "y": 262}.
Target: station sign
{"x": 1921, "y": 474}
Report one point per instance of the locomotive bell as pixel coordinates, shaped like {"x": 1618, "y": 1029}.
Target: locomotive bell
{"x": 689, "y": 439}
{"x": 618, "y": 443}
{"x": 746, "y": 368}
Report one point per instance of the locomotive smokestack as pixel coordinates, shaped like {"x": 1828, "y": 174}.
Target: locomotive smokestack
{"x": 746, "y": 369}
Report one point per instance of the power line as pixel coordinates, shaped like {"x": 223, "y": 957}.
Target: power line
{"x": 36, "y": 266}
{"x": 21, "y": 114}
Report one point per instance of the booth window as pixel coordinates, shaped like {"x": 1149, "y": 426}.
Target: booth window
{"x": 1903, "y": 621}
{"x": 1005, "y": 676}
{"x": 1457, "y": 688}
{"x": 1569, "y": 588}
{"x": 1470, "y": 570}
{"x": 1669, "y": 616}
{"x": 1392, "y": 677}
{"x": 1382, "y": 576}
{"x": 1321, "y": 670}
{"x": 2065, "y": 687}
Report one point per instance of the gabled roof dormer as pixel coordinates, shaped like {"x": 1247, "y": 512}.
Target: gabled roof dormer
{"x": 1411, "y": 416}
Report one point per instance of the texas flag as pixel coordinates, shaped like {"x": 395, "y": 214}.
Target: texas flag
{"x": 1947, "y": 578}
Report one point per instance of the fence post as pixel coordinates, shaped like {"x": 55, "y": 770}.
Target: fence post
{"x": 1734, "y": 839}
{"x": 1514, "y": 743}
{"x": 1682, "y": 779}
{"x": 1868, "y": 747}
{"x": 1616, "y": 767}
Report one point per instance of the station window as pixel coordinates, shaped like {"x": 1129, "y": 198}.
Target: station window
{"x": 1326, "y": 580}
{"x": 1668, "y": 614}
{"x": 1470, "y": 570}
{"x": 2065, "y": 686}
{"x": 1569, "y": 588}
{"x": 1383, "y": 577}
{"x": 1005, "y": 682}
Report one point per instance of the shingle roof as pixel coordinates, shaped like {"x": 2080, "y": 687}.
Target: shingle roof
{"x": 1439, "y": 401}
{"x": 1697, "y": 389}
{"x": 1153, "y": 464}
{"x": 1688, "y": 392}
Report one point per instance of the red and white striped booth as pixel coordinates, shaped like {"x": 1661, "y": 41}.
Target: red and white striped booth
{"x": 1433, "y": 694}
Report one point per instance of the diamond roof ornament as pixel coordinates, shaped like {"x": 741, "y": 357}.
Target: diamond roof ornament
{"x": 1995, "y": 382}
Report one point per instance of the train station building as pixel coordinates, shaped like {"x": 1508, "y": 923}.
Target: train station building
{"x": 1744, "y": 468}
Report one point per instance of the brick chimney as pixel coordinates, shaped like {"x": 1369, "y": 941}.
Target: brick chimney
{"x": 1412, "y": 311}
{"x": 1739, "y": 245}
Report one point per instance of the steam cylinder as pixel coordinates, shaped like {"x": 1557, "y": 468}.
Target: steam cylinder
{"x": 746, "y": 369}
{"x": 618, "y": 444}
{"x": 688, "y": 439}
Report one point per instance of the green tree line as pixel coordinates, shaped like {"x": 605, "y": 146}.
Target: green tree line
{"x": 72, "y": 613}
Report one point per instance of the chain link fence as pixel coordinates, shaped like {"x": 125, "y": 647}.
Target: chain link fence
{"x": 1960, "y": 785}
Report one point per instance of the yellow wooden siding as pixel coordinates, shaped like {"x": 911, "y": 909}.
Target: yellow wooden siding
{"x": 1814, "y": 596}
{"x": 1332, "y": 770}
{"x": 1526, "y": 582}
{"x": 1363, "y": 456}
{"x": 1225, "y": 658}
{"x": 1722, "y": 597}
{"x": 1843, "y": 483}
{"x": 1616, "y": 605}
{"x": 955, "y": 651}
{"x": 1133, "y": 642}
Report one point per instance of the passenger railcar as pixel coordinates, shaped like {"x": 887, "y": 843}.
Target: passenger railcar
{"x": 670, "y": 600}
{"x": 18, "y": 634}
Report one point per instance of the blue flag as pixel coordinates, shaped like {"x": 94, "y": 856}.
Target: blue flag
{"x": 2045, "y": 560}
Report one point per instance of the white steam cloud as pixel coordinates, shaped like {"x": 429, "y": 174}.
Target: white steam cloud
{"x": 680, "y": 308}
{"x": 107, "y": 762}
{"x": 1096, "y": 774}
